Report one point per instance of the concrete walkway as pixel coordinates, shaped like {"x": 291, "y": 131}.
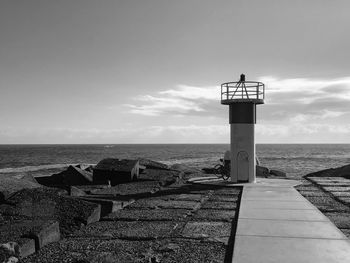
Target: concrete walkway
{"x": 277, "y": 224}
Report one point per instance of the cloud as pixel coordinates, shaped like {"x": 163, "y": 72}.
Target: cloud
{"x": 285, "y": 98}
{"x": 160, "y": 105}
{"x": 305, "y": 90}
{"x": 179, "y": 101}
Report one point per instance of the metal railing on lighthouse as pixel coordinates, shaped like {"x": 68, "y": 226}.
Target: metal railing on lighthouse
{"x": 242, "y": 91}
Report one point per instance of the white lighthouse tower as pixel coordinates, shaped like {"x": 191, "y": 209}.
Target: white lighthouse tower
{"x": 242, "y": 97}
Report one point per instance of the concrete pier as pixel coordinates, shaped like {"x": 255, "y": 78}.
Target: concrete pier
{"x": 277, "y": 224}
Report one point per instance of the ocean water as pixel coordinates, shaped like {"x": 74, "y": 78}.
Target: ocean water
{"x": 294, "y": 159}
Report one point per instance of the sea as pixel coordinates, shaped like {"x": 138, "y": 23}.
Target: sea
{"x": 295, "y": 160}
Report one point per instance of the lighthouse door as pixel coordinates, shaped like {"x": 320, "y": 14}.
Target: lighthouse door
{"x": 243, "y": 166}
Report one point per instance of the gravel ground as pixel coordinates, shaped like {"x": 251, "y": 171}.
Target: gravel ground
{"x": 176, "y": 224}
{"x": 326, "y": 199}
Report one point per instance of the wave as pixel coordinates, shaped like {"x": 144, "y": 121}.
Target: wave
{"x": 24, "y": 169}
{"x": 316, "y": 158}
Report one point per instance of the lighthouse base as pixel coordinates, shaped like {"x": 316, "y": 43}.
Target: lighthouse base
{"x": 242, "y": 153}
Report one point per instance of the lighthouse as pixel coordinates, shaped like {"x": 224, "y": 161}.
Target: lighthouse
{"x": 242, "y": 97}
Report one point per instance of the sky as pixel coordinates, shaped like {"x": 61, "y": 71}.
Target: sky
{"x": 149, "y": 71}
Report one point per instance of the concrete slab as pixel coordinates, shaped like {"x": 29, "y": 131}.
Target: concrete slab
{"x": 252, "y": 204}
{"x": 273, "y": 195}
{"x": 253, "y": 249}
{"x": 288, "y": 228}
{"x": 278, "y": 214}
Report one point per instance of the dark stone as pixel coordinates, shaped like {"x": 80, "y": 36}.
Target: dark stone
{"x": 107, "y": 206}
{"x": 116, "y": 171}
{"x": 262, "y": 171}
{"x": 76, "y": 176}
{"x": 278, "y": 173}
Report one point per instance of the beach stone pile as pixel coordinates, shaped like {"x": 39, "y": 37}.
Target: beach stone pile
{"x": 167, "y": 222}
{"x": 330, "y": 194}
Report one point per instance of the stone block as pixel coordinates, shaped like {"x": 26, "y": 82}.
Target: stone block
{"x": 148, "y": 215}
{"x": 262, "y": 171}
{"x": 207, "y": 230}
{"x": 182, "y": 197}
{"x": 224, "y": 198}
{"x": 116, "y": 170}
{"x": 156, "y": 203}
{"x": 341, "y": 220}
{"x": 49, "y": 233}
{"x": 134, "y": 230}
{"x": 107, "y": 206}
{"x": 214, "y": 215}
{"x": 341, "y": 194}
{"x": 94, "y": 216}
{"x": 76, "y": 176}
{"x": 312, "y": 193}
{"x": 278, "y": 173}
{"x": 75, "y": 191}
{"x": 219, "y": 205}
{"x": 336, "y": 188}
{"x": 26, "y": 247}
{"x": 227, "y": 191}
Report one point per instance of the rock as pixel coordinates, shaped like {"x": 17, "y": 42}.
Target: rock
{"x": 107, "y": 206}
{"x": 89, "y": 169}
{"x": 116, "y": 171}
{"x": 26, "y": 247}
{"x": 278, "y": 173}
{"x": 184, "y": 168}
{"x": 10, "y": 185}
{"x": 153, "y": 165}
{"x": 55, "y": 180}
{"x": 48, "y": 233}
{"x": 12, "y": 260}
{"x": 142, "y": 169}
{"x": 73, "y": 175}
{"x": 75, "y": 191}
{"x": 76, "y": 176}
{"x": 94, "y": 216}
{"x": 171, "y": 247}
{"x": 27, "y": 177}
{"x": 209, "y": 170}
{"x": 343, "y": 171}
{"x": 262, "y": 171}
{"x": 10, "y": 248}
{"x": 37, "y": 204}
